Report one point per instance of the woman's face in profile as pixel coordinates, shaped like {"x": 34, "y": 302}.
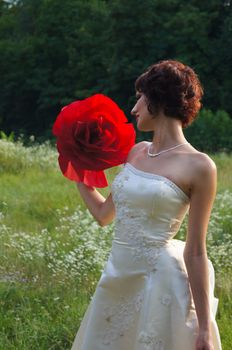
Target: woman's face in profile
{"x": 143, "y": 116}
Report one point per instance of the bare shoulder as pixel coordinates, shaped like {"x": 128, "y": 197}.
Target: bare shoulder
{"x": 204, "y": 170}
{"x": 204, "y": 164}
{"x": 135, "y": 149}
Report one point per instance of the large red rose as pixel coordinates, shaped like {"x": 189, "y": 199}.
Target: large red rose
{"x": 92, "y": 135}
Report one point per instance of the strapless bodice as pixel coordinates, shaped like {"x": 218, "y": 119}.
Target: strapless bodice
{"x": 149, "y": 207}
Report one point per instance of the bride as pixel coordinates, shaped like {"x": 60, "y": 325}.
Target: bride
{"x": 156, "y": 293}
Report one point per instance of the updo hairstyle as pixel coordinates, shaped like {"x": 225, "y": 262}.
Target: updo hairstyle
{"x": 172, "y": 87}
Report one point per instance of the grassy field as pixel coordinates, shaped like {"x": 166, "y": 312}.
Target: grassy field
{"x": 50, "y": 263}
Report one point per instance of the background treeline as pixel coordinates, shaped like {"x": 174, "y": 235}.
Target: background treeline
{"x": 53, "y": 52}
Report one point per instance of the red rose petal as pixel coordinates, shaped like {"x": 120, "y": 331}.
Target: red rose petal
{"x": 92, "y": 135}
{"x": 88, "y": 177}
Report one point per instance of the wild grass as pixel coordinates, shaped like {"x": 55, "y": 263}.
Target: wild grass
{"x": 52, "y": 252}
{"x": 224, "y": 166}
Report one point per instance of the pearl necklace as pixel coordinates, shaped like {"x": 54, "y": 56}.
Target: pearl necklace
{"x": 166, "y": 150}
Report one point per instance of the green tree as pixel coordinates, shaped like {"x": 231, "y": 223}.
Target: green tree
{"x": 53, "y": 52}
{"x": 54, "y": 57}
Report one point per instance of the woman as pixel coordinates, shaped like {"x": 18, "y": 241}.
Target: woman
{"x": 156, "y": 293}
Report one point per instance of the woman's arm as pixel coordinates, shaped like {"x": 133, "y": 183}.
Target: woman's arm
{"x": 195, "y": 254}
{"x": 101, "y": 208}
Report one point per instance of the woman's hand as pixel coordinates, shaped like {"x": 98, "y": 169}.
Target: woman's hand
{"x": 204, "y": 341}
{"x": 101, "y": 208}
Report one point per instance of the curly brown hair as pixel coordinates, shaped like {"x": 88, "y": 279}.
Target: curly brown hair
{"x": 173, "y": 87}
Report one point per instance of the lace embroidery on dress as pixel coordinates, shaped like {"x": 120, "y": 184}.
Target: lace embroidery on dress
{"x": 120, "y": 317}
{"x": 130, "y": 225}
{"x": 151, "y": 341}
{"x": 166, "y": 299}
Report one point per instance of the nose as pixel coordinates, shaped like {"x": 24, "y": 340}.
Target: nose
{"x": 133, "y": 111}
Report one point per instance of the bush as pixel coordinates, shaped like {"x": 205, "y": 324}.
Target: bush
{"x": 211, "y": 132}
{"x": 76, "y": 248}
{"x": 219, "y": 233}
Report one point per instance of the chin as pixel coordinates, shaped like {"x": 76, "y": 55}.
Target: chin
{"x": 144, "y": 128}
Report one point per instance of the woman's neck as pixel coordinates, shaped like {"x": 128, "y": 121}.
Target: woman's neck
{"x": 168, "y": 132}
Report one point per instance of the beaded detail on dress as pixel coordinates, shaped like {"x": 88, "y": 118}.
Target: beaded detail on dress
{"x": 132, "y": 223}
{"x": 151, "y": 340}
{"x": 120, "y": 316}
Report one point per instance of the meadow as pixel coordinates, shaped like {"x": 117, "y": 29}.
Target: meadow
{"x": 52, "y": 252}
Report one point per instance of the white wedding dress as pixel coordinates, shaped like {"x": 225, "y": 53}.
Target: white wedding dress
{"x": 143, "y": 299}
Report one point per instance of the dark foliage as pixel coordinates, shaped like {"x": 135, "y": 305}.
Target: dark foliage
{"x": 53, "y": 52}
